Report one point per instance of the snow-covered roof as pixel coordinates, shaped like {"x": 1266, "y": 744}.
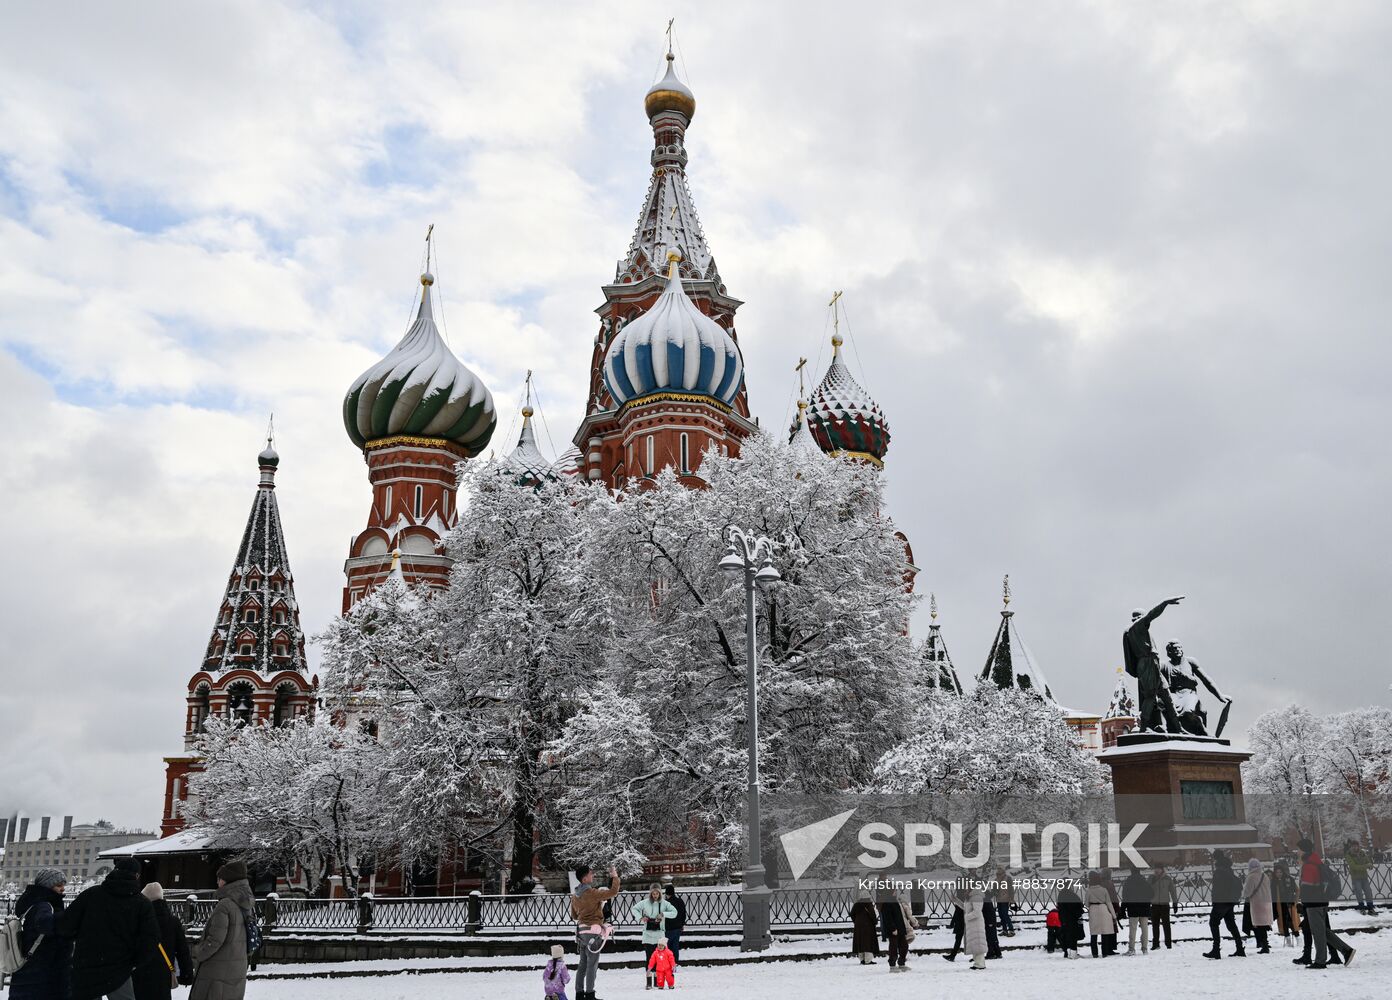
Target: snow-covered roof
{"x": 801, "y": 440}
{"x": 525, "y": 462}
{"x": 183, "y": 842}
{"x": 570, "y": 463}
{"x": 941, "y": 673}
{"x": 669, "y": 94}
{"x": 1122, "y": 705}
{"x": 420, "y": 389}
{"x": 1010, "y": 662}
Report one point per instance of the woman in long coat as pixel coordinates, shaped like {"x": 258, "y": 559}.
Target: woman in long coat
{"x": 865, "y": 938}
{"x": 1256, "y": 895}
{"x": 973, "y": 924}
{"x": 1102, "y": 915}
{"x": 221, "y": 953}
{"x": 1284, "y": 897}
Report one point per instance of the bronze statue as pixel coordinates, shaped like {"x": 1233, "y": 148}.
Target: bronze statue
{"x": 1183, "y": 677}
{"x": 1157, "y": 712}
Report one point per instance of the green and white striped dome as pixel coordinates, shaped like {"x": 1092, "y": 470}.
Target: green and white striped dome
{"x": 421, "y": 389}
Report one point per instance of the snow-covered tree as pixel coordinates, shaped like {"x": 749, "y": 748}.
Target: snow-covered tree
{"x": 305, "y": 799}
{"x": 472, "y": 683}
{"x": 657, "y": 756}
{"x": 1286, "y": 771}
{"x": 1357, "y": 758}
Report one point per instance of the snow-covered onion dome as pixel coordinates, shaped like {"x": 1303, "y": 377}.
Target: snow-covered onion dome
{"x": 842, "y": 416}
{"x": 801, "y": 441}
{"x": 670, "y": 94}
{"x": 673, "y": 347}
{"x": 525, "y": 463}
{"x": 420, "y": 389}
{"x": 570, "y": 463}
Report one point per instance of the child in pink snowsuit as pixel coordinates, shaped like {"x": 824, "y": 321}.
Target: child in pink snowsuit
{"x": 555, "y": 977}
{"x": 662, "y": 963}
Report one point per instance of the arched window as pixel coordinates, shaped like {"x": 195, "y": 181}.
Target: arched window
{"x": 685, "y": 453}
{"x": 249, "y": 615}
{"x": 284, "y": 712}
{"x": 240, "y": 709}
{"x": 202, "y": 706}
{"x": 420, "y": 495}
{"x": 387, "y": 505}
{"x": 652, "y": 448}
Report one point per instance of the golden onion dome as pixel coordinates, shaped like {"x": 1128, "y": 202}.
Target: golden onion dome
{"x": 670, "y": 94}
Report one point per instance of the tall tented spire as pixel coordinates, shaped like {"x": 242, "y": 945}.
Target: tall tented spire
{"x": 258, "y": 625}
{"x": 525, "y": 462}
{"x": 1010, "y": 663}
{"x": 938, "y": 664}
{"x": 1122, "y": 705}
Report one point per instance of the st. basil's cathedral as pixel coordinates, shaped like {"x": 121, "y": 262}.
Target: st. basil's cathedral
{"x": 666, "y": 382}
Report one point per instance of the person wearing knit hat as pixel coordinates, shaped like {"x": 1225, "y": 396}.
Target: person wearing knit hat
{"x": 555, "y": 977}
{"x": 233, "y": 871}
{"x": 50, "y": 878}
{"x": 45, "y": 973}
{"x": 171, "y": 964}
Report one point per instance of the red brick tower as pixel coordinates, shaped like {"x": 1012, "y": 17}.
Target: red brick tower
{"x": 670, "y": 406}
{"x": 416, "y": 415}
{"x": 254, "y": 670}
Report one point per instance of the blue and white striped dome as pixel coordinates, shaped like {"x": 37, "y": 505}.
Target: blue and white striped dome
{"x": 673, "y": 347}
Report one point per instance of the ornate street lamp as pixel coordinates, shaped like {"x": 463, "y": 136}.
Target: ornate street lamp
{"x": 752, "y": 555}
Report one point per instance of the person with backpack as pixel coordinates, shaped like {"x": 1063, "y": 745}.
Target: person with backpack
{"x": 43, "y": 974}
{"x": 1319, "y": 886}
{"x": 113, "y": 930}
{"x": 230, "y": 938}
{"x": 1227, "y": 893}
{"x": 171, "y": 965}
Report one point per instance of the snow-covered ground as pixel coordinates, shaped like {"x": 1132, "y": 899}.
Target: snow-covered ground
{"x": 1021, "y": 975}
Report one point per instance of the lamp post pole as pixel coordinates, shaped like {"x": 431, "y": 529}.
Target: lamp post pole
{"x": 751, "y": 556}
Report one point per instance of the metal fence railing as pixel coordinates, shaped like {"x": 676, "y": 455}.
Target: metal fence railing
{"x": 707, "y": 908}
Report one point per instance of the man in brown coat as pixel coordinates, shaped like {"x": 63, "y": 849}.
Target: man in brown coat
{"x": 221, "y": 954}
{"x": 587, "y": 909}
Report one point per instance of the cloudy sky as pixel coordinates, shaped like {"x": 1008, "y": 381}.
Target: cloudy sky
{"x": 1117, "y": 273}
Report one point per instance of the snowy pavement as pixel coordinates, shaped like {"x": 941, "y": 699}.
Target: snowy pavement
{"x": 1021, "y": 975}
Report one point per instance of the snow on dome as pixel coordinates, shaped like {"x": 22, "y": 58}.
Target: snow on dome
{"x": 525, "y": 463}
{"x": 670, "y": 94}
{"x": 570, "y": 463}
{"x": 801, "y": 441}
{"x": 673, "y": 347}
{"x": 1122, "y": 705}
{"x": 420, "y": 389}
{"x": 843, "y": 417}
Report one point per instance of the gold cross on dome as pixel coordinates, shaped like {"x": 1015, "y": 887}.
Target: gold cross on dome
{"x": 670, "y": 21}
{"x": 802, "y": 388}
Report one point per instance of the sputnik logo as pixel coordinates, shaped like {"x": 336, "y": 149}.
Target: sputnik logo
{"x": 803, "y": 845}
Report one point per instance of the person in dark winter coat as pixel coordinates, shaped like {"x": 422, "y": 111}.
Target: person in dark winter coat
{"x": 113, "y": 930}
{"x": 675, "y": 925}
{"x": 988, "y": 915}
{"x": 1136, "y": 896}
{"x": 895, "y": 930}
{"x": 157, "y": 976}
{"x": 1070, "y": 911}
{"x": 958, "y": 925}
{"x": 45, "y": 975}
{"x": 1227, "y": 893}
{"x": 1284, "y": 897}
{"x": 221, "y": 953}
{"x": 1315, "y": 900}
{"x": 865, "y": 942}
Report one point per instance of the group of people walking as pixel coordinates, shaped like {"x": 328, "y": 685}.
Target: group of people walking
{"x": 1265, "y": 899}
{"x": 120, "y": 940}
